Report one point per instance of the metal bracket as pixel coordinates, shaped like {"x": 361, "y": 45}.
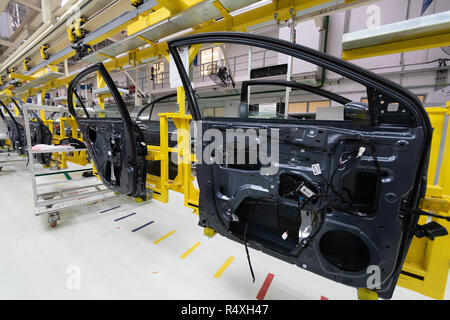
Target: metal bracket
{"x": 43, "y": 50}
{"x": 430, "y": 230}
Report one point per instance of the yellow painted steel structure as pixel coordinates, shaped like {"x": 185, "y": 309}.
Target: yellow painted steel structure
{"x": 425, "y": 32}
{"x": 5, "y": 96}
{"x": 78, "y": 157}
{"x": 421, "y": 43}
{"x": 427, "y": 264}
{"x": 427, "y": 260}
{"x": 59, "y": 159}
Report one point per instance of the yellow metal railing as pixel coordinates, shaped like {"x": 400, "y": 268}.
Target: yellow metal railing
{"x": 427, "y": 264}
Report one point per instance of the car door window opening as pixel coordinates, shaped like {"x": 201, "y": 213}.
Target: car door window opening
{"x": 114, "y": 141}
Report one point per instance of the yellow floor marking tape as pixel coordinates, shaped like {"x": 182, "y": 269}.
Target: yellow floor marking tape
{"x": 223, "y": 267}
{"x": 188, "y": 252}
{"x": 163, "y": 237}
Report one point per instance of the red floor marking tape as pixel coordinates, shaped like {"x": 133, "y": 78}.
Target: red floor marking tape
{"x": 323, "y": 298}
{"x": 262, "y": 292}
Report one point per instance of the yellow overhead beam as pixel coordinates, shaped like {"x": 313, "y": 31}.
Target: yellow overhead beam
{"x": 45, "y": 70}
{"x": 146, "y": 40}
{"x": 193, "y": 50}
{"x": 420, "y": 33}
{"x": 157, "y": 49}
{"x": 284, "y": 10}
{"x": 219, "y": 6}
{"x": 174, "y": 6}
{"x": 20, "y": 77}
{"x": 145, "y": 21}
{"x": 106, "y": 56}
{"x": 422, "y": 43}
{"x": 281, "y": 10}
{"x": 159, "y": 14}
{"x": 6, "y": 92}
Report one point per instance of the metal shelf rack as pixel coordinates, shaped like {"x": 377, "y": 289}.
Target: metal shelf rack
{"x": 10, "y": 157}
{"x": 52, "y": 197}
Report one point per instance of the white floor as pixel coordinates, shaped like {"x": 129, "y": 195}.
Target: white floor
{"x": 109, "y": 261}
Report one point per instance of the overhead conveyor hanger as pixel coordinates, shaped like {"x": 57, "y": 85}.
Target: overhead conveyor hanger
{"x": 109, "y": 29}
{"x": 193, "y": 16}
{"x": 92, "y": 36}
{"x": 142, "y": 20}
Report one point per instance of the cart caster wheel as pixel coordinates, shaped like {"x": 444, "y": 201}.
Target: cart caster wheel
{"x": 53, "y": 220}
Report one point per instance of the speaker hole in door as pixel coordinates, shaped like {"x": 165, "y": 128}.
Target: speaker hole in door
{"x": 345, "y": 250}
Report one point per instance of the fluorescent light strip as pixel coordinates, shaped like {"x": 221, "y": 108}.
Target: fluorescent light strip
{"x": 250, "y": 7}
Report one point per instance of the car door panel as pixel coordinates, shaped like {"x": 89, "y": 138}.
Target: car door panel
{"x": 16, "y": 131}
{"x": 116, "y": 144}
{"x": 359, "y": 219}
{"x": 39, "y": 133}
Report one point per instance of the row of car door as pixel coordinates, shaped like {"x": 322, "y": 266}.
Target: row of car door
{"x": 325, "y": 189}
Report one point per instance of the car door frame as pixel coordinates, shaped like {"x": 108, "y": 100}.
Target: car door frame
{"x": 324, "y": 60}
{"x": 377, "y": 84}
{"x": 152, "y": 105}
{"x": 18, "y": 128}
{"x": 124, "y": 114}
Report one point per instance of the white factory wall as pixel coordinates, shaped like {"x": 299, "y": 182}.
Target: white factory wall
{"x": 5, "y": 26}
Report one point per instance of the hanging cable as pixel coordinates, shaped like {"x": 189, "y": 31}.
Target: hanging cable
{"x": 425, "y": 213}
{"x": 245, "y": 236}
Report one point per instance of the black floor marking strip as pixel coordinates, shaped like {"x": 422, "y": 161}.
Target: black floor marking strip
{"x": 109, "y": 209}
{"x": 139, "y": 228}
{"x": 125, "y": 216}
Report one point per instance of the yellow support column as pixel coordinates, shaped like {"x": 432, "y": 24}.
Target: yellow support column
{"x": 42, "y": 112}
{"x": 164, "y": 156}
{"x": 184, "y": 176}
{"x": 209, "y": 232}
{"x": 367, "y": 294}
{"x": 101, "y": 99}
{"x": 444, "y": 175}
{"x": 427, "y": 263}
